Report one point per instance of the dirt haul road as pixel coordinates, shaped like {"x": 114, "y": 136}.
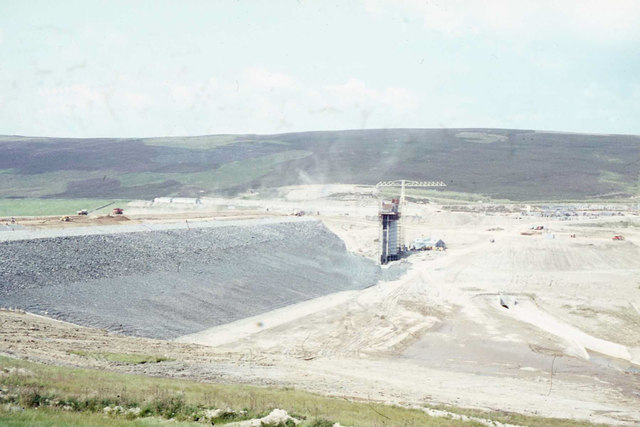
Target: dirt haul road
{"x": 438, "y": 334}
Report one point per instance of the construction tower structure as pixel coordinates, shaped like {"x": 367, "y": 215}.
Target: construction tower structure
{"x": 392, "y": 238}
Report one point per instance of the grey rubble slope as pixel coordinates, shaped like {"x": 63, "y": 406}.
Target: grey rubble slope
{"x": 164, "y": 284}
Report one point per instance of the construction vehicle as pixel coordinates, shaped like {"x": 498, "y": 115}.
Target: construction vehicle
{"x": 618, "y": 237}
{"x": 65, "y": 218}
{"x": 83, "y": 212}
{"x": 118, "y": 211}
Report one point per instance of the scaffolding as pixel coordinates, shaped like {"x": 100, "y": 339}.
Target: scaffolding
{"x": 392, "y": 240}
{"x": 390, "y": 245}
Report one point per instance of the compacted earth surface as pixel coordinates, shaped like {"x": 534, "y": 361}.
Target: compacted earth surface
{"x": 540, "y": 322}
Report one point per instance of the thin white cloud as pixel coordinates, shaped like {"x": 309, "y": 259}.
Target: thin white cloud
{"x": 264, "y": 100}
{"x": 79, "y": 98}
{"x": 182, "y": 94}
{"x": 259, "y": 78}
{"x": 255, "y": 99}
{"x": 134, "y": 100}
{"x": 347, "y": 94}
{"x": 580, "y": 19}
{"x": 104, "y": 34}
{"x": 400, "y": 99}
{"x": 548, "y": 62}
{"x": 70, "y": 99}
{"x": 355, "y": 93}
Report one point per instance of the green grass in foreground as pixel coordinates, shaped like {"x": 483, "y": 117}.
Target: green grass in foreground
{"x": 42, "y": 207}
{"x": 46, "y": 417}
{"x": 61, "y": 396}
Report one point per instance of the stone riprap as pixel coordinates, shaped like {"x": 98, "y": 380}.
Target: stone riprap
{"x": 168, "y": 283}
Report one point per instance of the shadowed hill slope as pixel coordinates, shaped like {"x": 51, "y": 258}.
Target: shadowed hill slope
{"x": 513, "y": 164}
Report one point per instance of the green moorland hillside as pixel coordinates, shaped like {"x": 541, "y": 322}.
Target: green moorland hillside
{"x": 497, "y": 163}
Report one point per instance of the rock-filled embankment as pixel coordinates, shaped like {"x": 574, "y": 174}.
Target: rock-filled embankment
{"x": 164, "y": 284}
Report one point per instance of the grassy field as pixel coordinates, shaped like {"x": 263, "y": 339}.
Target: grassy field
{"x": 13, "y": 184}
{"x": 35, "y": 394}
{"x": 47, "y": 417}
{"x": 228, "y": 175}
{"x": 203, "y": 142}
{"x": 38, "y": 207}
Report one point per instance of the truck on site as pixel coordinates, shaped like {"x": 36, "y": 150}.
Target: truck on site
{"x": 83, "y": 212}
{"x": 118, "y": 211}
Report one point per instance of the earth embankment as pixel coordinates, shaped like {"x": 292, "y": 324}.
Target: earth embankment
{"x": 168, "y": 283}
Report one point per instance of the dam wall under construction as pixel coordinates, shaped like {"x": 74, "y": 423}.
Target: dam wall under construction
{"x": 167, "y": 283}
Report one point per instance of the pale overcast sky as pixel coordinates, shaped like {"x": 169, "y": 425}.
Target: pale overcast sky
{"x": 166, "y": 68}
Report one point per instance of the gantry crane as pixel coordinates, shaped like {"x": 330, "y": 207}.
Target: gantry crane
{"x": 391, "y": 222}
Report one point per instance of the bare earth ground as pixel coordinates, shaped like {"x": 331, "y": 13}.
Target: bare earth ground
{"x": 569, "y": 348}
{"x": 54, "y": 222}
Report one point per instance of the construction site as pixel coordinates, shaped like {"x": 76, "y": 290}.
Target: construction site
{"x": 392, "y": 230}
{"x": 355, "y": 291}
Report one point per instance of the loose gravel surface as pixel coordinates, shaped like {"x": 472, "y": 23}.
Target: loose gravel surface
{"x": 168, "y": 283}
{"x": 10, "y": 227}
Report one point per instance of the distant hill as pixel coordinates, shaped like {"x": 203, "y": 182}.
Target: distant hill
{"x": 512, "y": 164}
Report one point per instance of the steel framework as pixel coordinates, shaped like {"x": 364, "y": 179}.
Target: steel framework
{"x": 404, "y": 183}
